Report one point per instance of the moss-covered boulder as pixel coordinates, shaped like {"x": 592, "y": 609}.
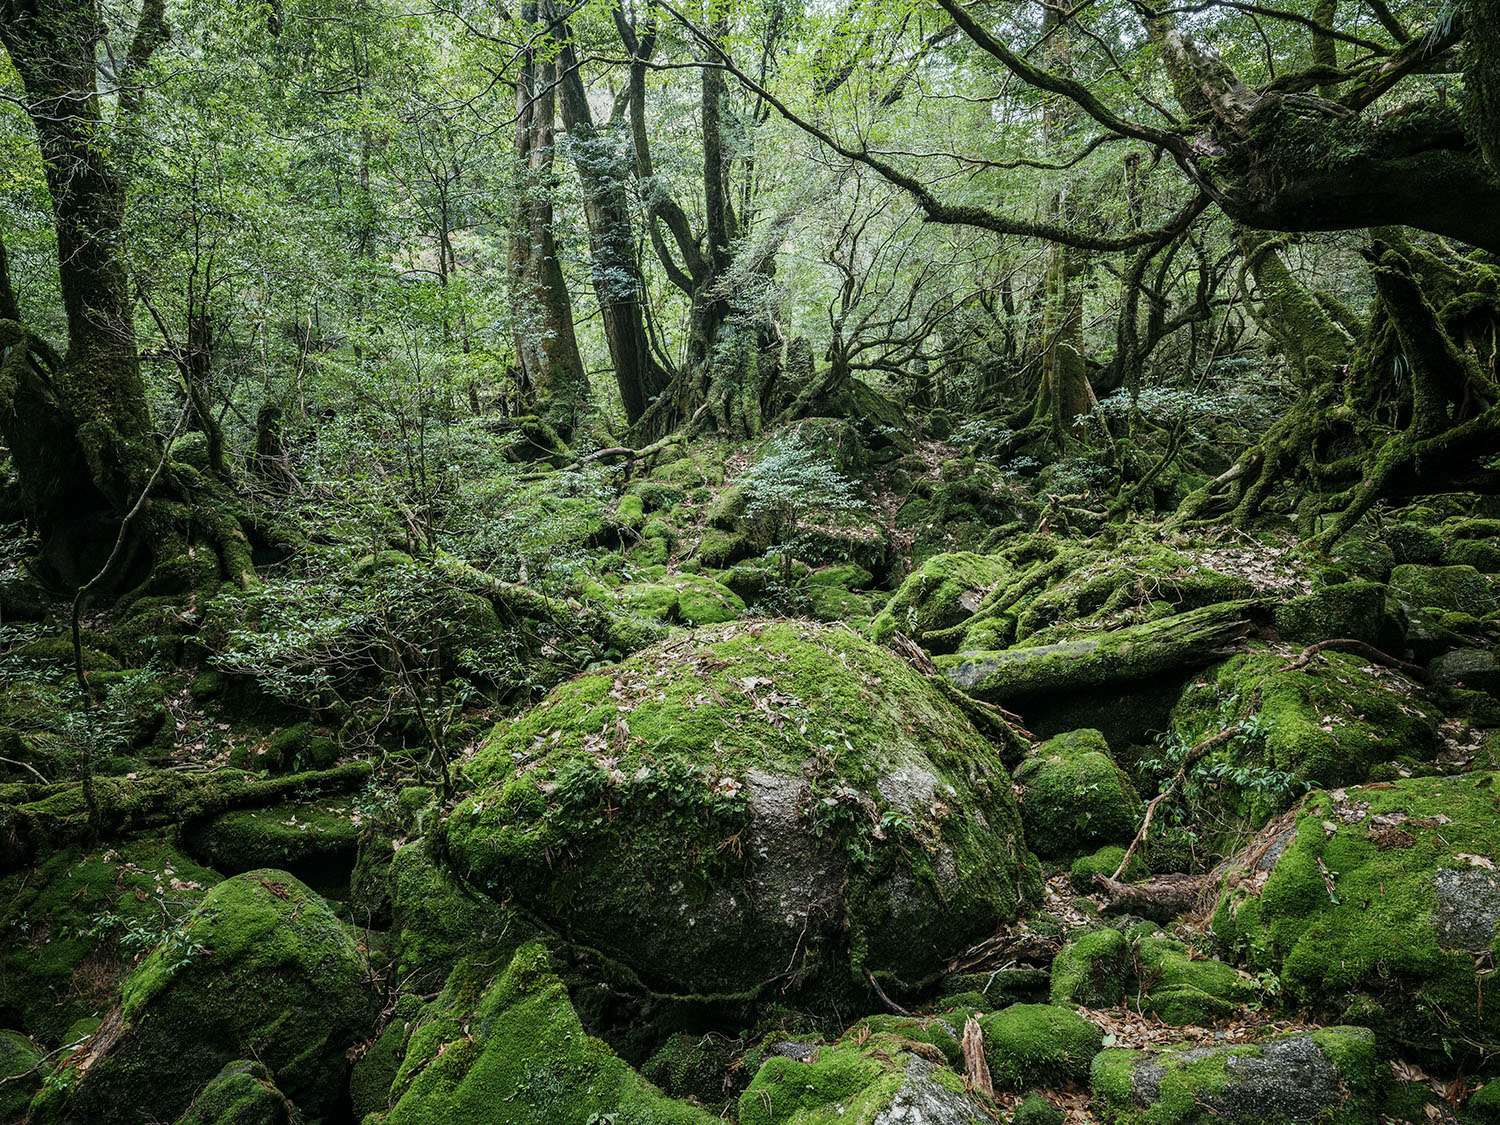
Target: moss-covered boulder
{"x": 1092, "y": 970}
{"x": 1459, "y": 589}
{"x": 20, "y": 1074}
{"x": 509, "y": 1050}
{"x": 243, "y": 1093}
{"x": 1121, "y": 585}
{"x": 261, "y": 968}
{"x": 315, "y": 840}
{"x": 941, "y": 593}
{"x": 682, "y": 599}
{"x": 1326, "y": 723}
{"x": 1180, "y": 986}
{"x": 1377, "y": 904}
{"x": 1074, "y": 797}
{"x": 1355, "y": 609}
{"x": 1331, "y": 1076}
{"x": 738, "y": 806}
{"x": 1038, "y": 1045}
{"x": 71, "y": 927}
{"x": 876, "y": 1079}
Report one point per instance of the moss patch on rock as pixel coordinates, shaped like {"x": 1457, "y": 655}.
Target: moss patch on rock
{"x": 261, "y": 967}
{"x": 857, "y": 1081}
{"x": 1374, "y": 903}
{"x": 1329, "y": 1075}
{"x": 1074, "y": 797}
{"x": 1038, "y": 1044}
{"x": 510, "y": 1051}
{"x": 72, "y": 926}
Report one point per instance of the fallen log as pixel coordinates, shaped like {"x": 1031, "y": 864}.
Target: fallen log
{"x": 1160, "y": 899}
{"x": 37, "y": 818}
{"x": 1181, "y": 643}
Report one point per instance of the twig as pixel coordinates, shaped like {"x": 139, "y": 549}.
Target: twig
{"x": 884, "y": 999}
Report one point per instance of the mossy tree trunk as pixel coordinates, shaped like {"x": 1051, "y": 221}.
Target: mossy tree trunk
{"x": 601, "y": 157}
{"x": 553, "y": 381}
{"x": 732, "y": 351}
{"x": 77, "y": 424}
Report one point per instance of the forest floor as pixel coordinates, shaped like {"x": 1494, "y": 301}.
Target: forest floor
{"x": 837, "y": 777}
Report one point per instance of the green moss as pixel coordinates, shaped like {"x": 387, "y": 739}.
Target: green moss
{"x": 1327, "y": 723}
{"x": 1106, "y": 862}
{"x": 689, "y": 599}
{"x": 71, "y": 926}
{"x": 1093, "y": 970}
{"x": 700, "y": 1067}
{"x": 1413, "y": 542}
{"x": 20, "y": 1074}
{"x": 663, "y": 808}
{"x": 317, "y": 840}
{"x": 1115, "y": 585}
{"x": 1382, "y": 917}
{"x": 56, "y": 654}
{"x": 848, "y": 576}
{"x": 1181, "y": 989}
{"x": 721, "y": 548}
{"x": 1328, "y": 1076}
{"x": 1481, "y": 554}
{"x": 243, "y": 1093}
{"x": 939, "y": 594}
{"x": 374, "y": 1072}
{"x": 1347, "y": 609}
{"x": 512, "y": 1052}
{"x": 1445, "y": 588}
{"x": 435, "y": 924}
{"x": 943, "y": 1032}
{"x": 1038, "y": 1044}
{"x": 631, "y": 511}
{"x": 1036, "y": 1110}
{"x": 206, "y": 998}
{"x": 1074, "y": 797}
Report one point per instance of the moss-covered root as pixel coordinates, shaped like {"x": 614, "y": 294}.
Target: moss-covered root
{"x": 511, "y": 1052}
{"x": 1331, "y": 1075}
{"x": 261, "y": 968}
{"x": 1133, "y": 654}
{"x": 861, "y": 1080}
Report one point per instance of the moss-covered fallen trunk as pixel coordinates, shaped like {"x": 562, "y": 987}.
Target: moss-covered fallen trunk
{"x": 1180, "y": 643}
{"x": 35, "y": 819}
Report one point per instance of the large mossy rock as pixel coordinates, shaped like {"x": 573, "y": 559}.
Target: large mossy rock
{"x": 1038, "y": 1045}
{"x": 1380, "y": 905}
{"x": 509, "y": 1050}
{"x": 1327, "y": 723}
{"x": 875, "y": 1079}
{"x": 20, "y": 1075}
{"x": 261, "y": 968}
{"x": 685, "y": 599}
{"x": 1074, "y": 797}
{"x": 739, "y": 806}
{"x": 1330, "y": 1075}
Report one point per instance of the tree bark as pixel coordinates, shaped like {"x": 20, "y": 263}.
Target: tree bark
{"x": 553, "y": 379}
{"x": 602, "y": 159}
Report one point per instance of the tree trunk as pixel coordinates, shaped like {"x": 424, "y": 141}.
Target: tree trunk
{"x": 602, "y": 159}
{"x": 78, "y": 425}
{"x": 553, "y": 380}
